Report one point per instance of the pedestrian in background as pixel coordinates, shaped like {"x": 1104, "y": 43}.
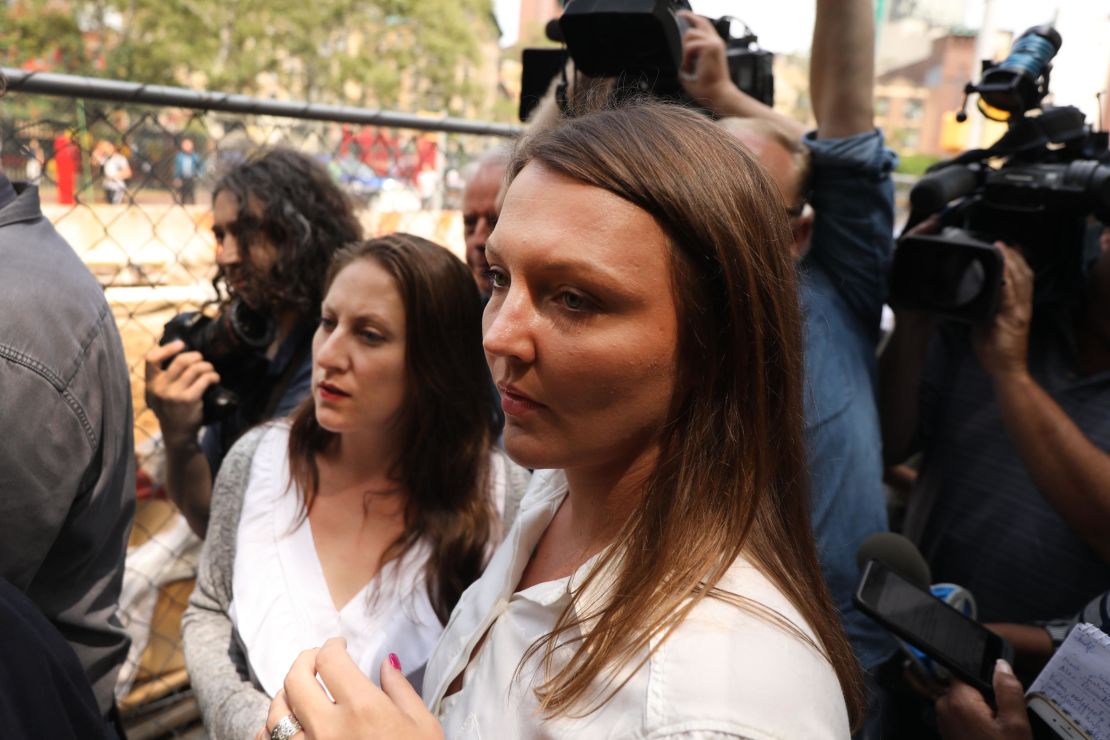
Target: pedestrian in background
{"x": 187, "y": 167}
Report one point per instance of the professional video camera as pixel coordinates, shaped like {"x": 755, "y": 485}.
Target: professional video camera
{"x": 639, "y": 43}
{"x": 232, "y": 342}
{"x": 1053, "y": 177}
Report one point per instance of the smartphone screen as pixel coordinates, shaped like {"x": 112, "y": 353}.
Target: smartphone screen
{"x": 958, "y": 642}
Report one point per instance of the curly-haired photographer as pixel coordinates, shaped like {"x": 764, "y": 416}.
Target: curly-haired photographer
{"x": 277, "y": 218}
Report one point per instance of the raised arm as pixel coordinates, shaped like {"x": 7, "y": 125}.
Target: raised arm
{"x": 842, "y": 68}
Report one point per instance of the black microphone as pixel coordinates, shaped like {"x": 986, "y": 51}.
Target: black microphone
{"x": 935, "y": 189}
{"x": 897, "y": 553}
{"x": 553, "y": 31}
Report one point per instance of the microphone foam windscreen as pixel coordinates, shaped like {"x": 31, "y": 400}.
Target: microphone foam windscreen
{"x": 897, "y": 553}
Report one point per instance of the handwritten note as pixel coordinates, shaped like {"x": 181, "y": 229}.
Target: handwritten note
{"x": 1077, "y": 680}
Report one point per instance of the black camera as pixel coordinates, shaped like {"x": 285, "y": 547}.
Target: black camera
{"x": 233, "y": 342}
{"x": 639, "y": 43}
{"x": 1053, "y": 177}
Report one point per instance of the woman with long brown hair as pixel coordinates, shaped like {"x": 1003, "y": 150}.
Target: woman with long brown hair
{"x": 660, "y": 578}
{"x": 351, "y": 518}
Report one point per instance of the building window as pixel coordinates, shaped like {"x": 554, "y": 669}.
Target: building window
{"x": 882, "y": 106}
{"x": 913, "y": 110}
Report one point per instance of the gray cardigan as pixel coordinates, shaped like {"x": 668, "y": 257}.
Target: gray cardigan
{"x": 234, "y": 706}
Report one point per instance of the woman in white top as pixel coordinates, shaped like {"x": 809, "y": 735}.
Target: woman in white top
{"x": 661, "y": 579}
{"x": 368, "y": 513}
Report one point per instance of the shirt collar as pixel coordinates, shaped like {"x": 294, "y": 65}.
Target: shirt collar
{"x": 23, "y": 207}
{"x": 484, "y": 601}
{"x": 589, "y": 598}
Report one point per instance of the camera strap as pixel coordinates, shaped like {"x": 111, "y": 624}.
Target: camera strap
{"x": 266, "y": 394}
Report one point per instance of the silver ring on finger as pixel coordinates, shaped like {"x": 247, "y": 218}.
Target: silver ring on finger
{"x": 286, "y": 727}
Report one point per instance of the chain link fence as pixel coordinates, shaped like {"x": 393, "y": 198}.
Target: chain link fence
{"x": 125, "y": 173}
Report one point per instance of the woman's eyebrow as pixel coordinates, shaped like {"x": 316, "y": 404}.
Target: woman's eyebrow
{"x": 562, "y": 265}
{"x": 376, "y": 319}
{"x": 361, "y": 317}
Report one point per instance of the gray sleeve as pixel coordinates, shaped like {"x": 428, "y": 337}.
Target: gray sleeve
{"x": 40, "y": 471}
{"x": 67, "y": 495}
{"x": 233, "y": 706}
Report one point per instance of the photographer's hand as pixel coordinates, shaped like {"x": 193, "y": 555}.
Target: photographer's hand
{"x": 174, "y": 395}
{"x": 1003, "y": 345}
{"x": 704, "y": 71}
{"x": 705, "y": 77}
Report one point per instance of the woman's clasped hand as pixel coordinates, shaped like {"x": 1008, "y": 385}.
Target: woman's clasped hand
{"x": 357, "y": 707}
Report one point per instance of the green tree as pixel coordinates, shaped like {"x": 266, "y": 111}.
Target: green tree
{"x": 37, "y": 32}
{"x": 339, "y": 51}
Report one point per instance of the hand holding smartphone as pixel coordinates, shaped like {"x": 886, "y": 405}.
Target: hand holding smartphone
{"x": 962, "y": 645}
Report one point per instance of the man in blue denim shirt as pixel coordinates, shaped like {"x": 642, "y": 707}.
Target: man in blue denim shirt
{"x": 843, "y": 247}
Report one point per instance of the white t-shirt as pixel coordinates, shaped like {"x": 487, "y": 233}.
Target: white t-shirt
{"x": 723, "y": 673}
{"x": 114, "y": 167}
{"x": 281, "y": 604}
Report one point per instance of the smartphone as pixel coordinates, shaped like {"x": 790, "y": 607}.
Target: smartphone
{"x": 962, "y": 645}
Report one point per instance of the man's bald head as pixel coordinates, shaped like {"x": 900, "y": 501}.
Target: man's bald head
{"x": 786, "y": 160}
{"x": 783, "y": 155}
{"x": 480, "y": 206}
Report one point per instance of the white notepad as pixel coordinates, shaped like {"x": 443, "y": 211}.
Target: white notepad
{"x": 1076, "y": 682}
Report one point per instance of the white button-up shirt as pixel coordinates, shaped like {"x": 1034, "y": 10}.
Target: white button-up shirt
{"x": 722, "y": 673}
{"x": 281, "y": 603}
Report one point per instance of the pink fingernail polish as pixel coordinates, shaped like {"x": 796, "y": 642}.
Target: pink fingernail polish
{"x": 393, "y": 661}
